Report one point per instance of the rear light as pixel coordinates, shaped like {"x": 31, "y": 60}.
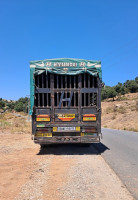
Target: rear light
{"x": 89, "y": 130}
{"x": 89, "y": 117}
{"x": 43, "y": 118}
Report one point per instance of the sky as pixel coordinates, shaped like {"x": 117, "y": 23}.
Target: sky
{"x": 105, "y": 30}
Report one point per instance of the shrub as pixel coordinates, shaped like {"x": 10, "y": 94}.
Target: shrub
{"x": 19, "y": 107}
{"x": 2, "y": 104}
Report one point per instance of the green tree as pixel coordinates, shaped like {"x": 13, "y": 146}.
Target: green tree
{"x": 19, "y": 107}
{"x": 104, "y": 93}
{"x": 2, "y": 104}
{"x": 136, "y": 80}
{"x": 118, "y": 87}
{"x": 111, "y": 93}
{"x": 124, "y": 90}
{"x": 132, "y": 86}
{"x": 108, "y": 92}
{"x": 10, "y": 105}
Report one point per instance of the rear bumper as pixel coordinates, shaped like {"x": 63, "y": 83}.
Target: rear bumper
{"x": 66, "y": 139}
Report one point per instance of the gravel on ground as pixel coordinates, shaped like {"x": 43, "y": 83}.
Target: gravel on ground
{"x": 54, "y": 173}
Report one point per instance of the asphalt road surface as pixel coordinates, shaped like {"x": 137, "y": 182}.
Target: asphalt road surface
{"x": 120, "y": 150}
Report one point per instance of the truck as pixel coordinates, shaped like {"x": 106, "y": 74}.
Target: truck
{"x": 65, "y": 101}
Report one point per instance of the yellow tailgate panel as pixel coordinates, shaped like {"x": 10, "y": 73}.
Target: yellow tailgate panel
{"x": 66, "y": 115}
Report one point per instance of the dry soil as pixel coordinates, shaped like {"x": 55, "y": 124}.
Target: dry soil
{"x": 55, "y": 173}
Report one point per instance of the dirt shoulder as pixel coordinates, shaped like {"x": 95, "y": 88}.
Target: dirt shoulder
{"x": 57, "y": 172}
{"x": 121, "y": 114}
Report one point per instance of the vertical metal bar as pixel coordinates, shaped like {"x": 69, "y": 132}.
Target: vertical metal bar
{"x": 88, "y": 87}
{"x": 93, "y": 92}
{"x": 70, "y": 81}
{"x": 66, "y": 81}
{"x": 79, "y": 97}
{"x": 74, "y": 99}
{"x": 74, "y": 81}
{"x": 43, "y": 87}
{"x": 66, "y": 103}
{"x": 74, "y": 91}
{"x": 57, "y": 98}
{"x": 57, "y": 77}
{"x": 38, "y": 84}
{"x": 57, "y": 88}
{"x": 47, "y": 93}
{"x": 52, "y": 96}
{"x": 61, "y": 81}
{"x": 85, "y": 87}
{"x": 36, "y": 96}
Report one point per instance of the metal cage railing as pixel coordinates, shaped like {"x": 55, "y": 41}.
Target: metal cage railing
{"x": 66, "y": 90}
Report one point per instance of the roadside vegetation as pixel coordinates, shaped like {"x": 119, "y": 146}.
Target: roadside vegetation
{"x": 13, "y": 116}
{"x": 21, "y": 105}
{"x": 130, "y": 86}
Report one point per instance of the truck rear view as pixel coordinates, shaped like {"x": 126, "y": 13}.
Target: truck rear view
{"x": 65, "y": 99}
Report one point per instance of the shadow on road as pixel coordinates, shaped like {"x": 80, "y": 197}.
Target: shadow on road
{"x": 73, "y": 149}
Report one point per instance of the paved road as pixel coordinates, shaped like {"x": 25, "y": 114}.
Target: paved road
{"x": 122, "y": 156}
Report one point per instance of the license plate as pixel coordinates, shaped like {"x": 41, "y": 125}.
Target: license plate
{"x": 66, "y": 129}
{"x": 89, "y": 118}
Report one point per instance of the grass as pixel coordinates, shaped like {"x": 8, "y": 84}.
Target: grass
{"x": 121, "y": 98}
{"x": 109, "y": 110}
{"x": 122, "y": 110}
{"x": 113, "y": 117}
{"x": 133, "y": 129}
{"x": 115, "y": 109}
{"x": 9, "y": 122}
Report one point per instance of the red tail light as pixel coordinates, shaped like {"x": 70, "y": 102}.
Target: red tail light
{"x": 43, "y": 118}
{"x": 89, "y": 117}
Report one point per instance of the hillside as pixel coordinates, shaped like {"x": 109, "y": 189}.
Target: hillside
{"x": 121, "y": 113}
